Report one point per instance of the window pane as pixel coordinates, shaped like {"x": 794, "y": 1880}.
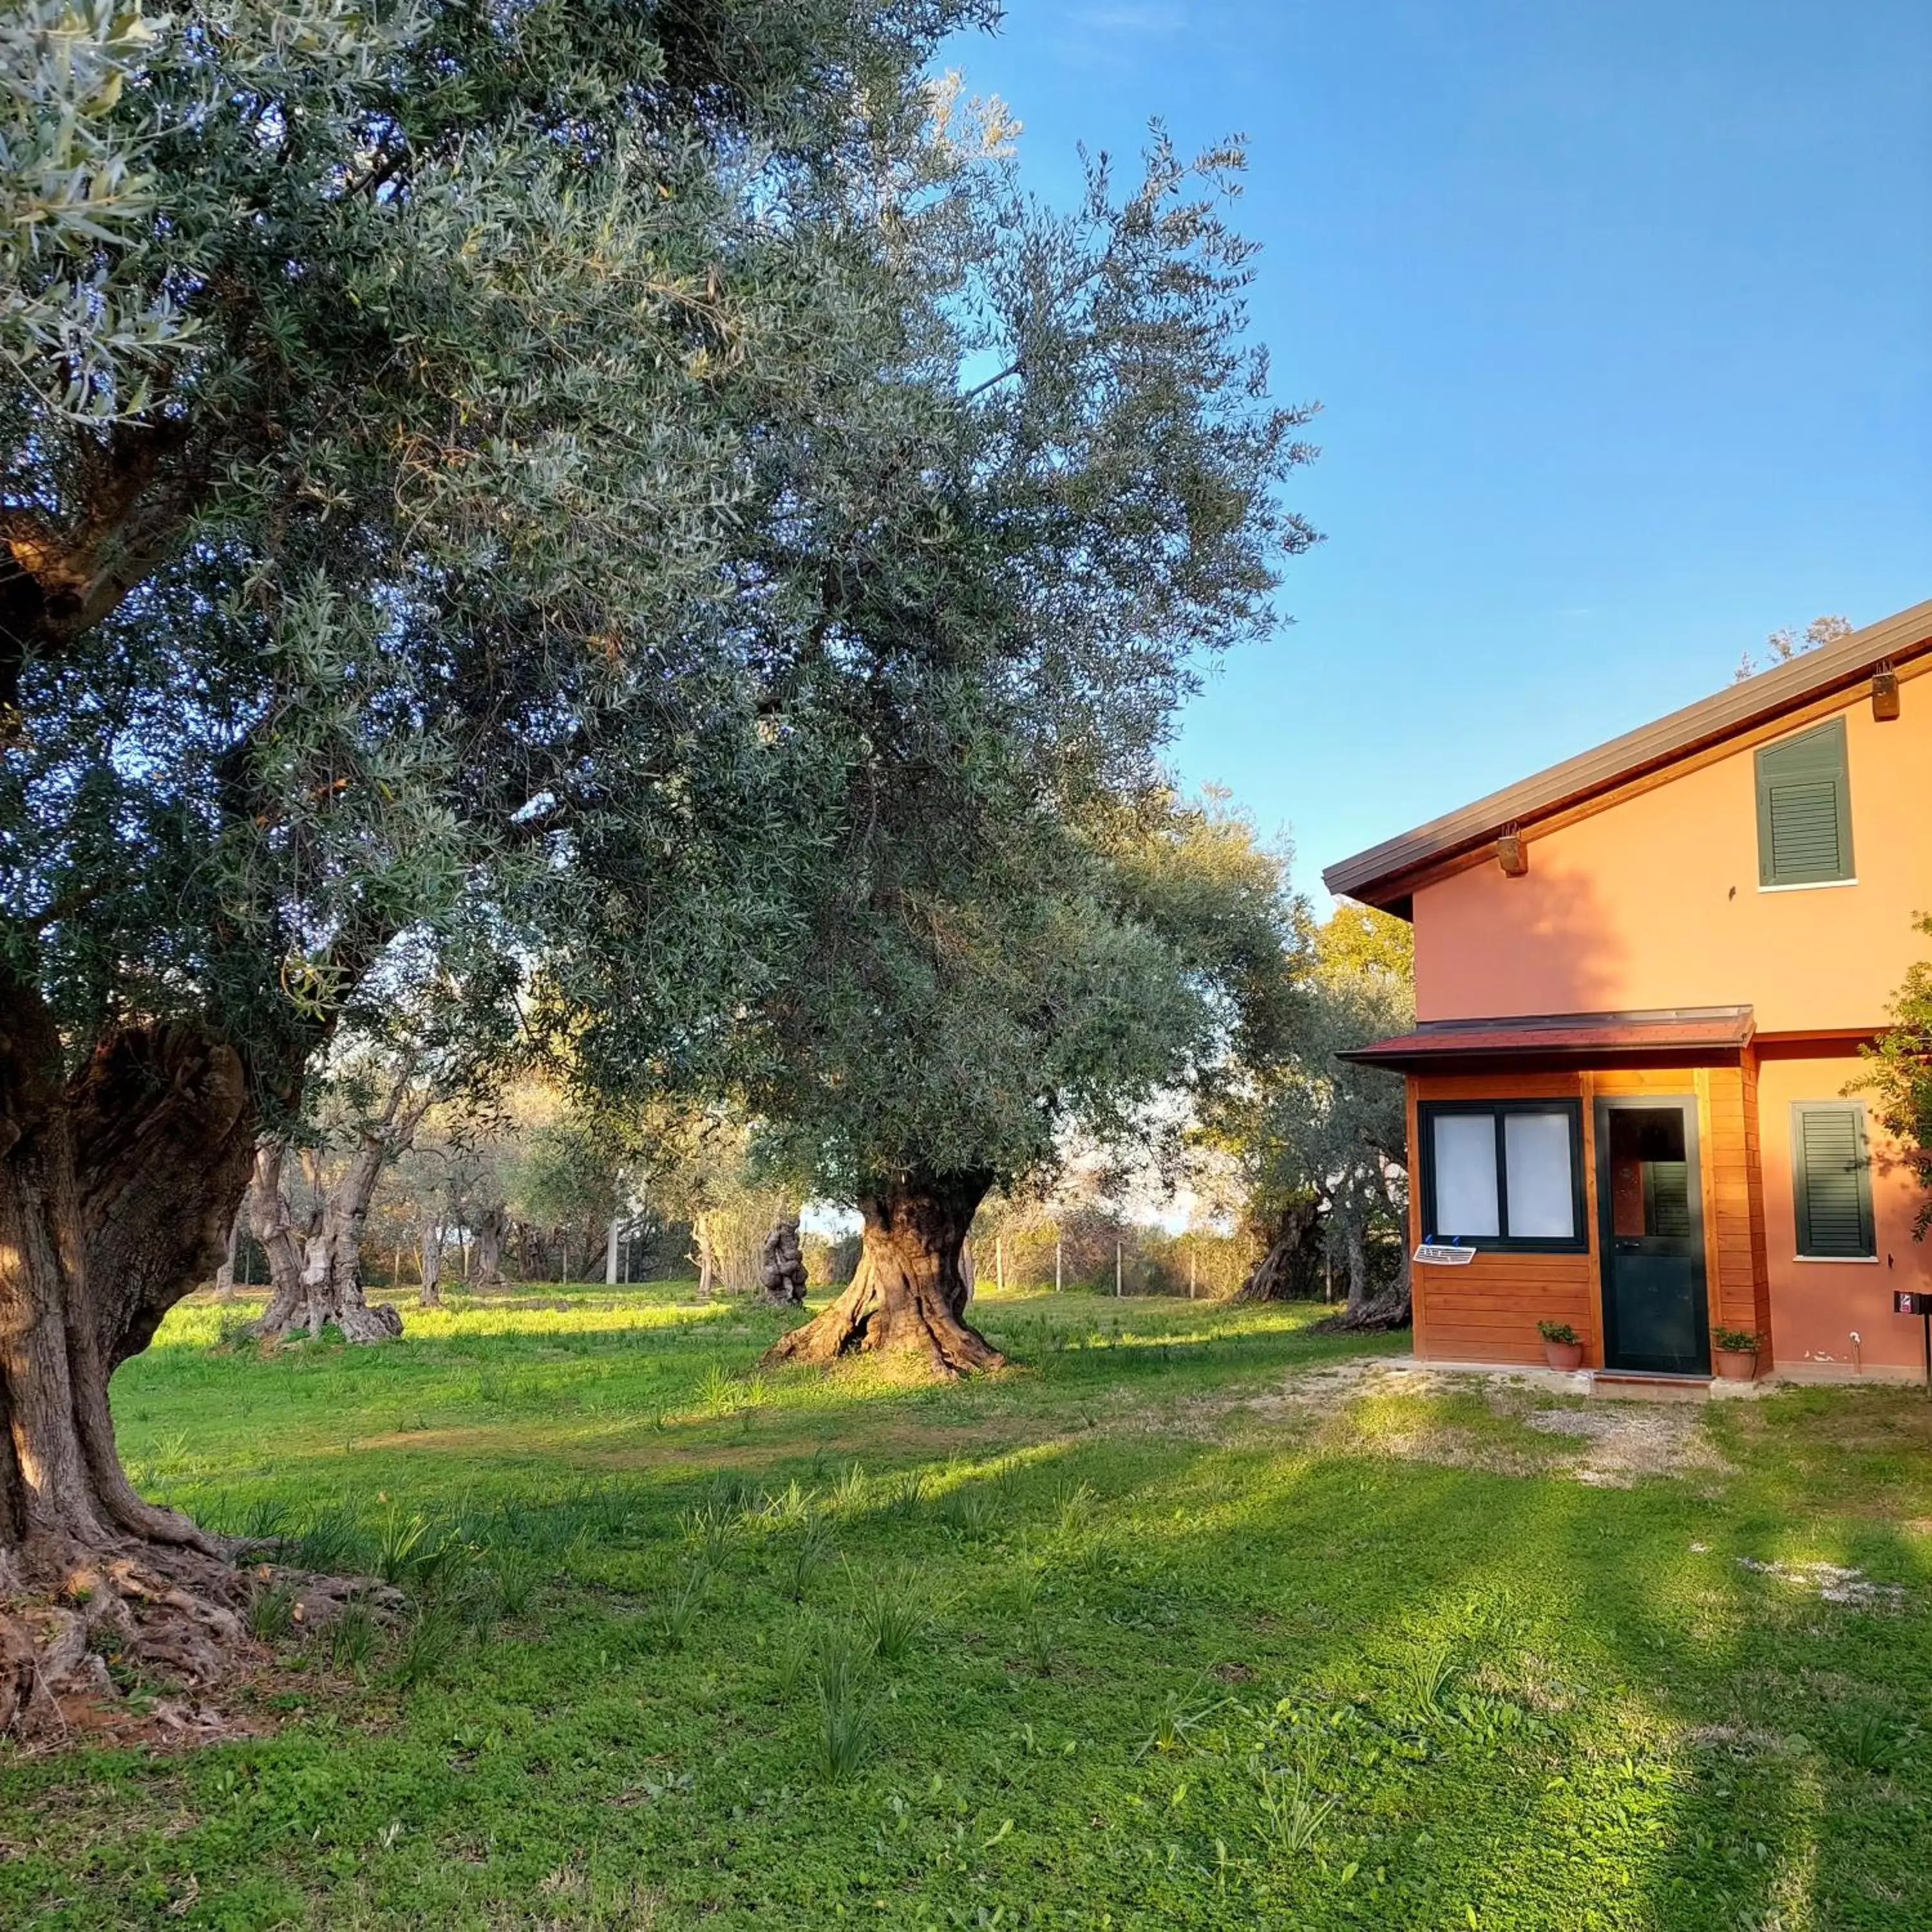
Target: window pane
{"x": 1542, "y": 1206}
{"x": 1465, "y": 1174}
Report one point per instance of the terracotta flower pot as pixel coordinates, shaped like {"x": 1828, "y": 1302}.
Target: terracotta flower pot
{"x": 1566, "y": 1356}
{"x": 1737, "y": 1365}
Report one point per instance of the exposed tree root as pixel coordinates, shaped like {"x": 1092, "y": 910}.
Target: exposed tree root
{"x": 79, "y": 1624}
{"x": 1387, "y": 1312}
{"x": 168, "y": 1611}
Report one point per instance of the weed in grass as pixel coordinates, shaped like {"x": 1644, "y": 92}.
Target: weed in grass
{"x": 397, "y": 1542}
{"x": 351, "y": 1636}
{"x": 894, "y": 1617}
{"x": 434, "y": 1636}
{"x": 796, "y": 1656}
{"x": 1430, "y": 1674}
{"x": 1073, "y": 1506}
{"x": 709, "y": 1529}
{"x": 559, "y": 1529}
{"x": 331, "y": 1541}
{"x": 907, "y": 1496}
{"x": 442, "y": 1564}
{"x": 807, "y": 1555}
{"x": 1871, "y": 1741}
{"x": 844, "y": 1732}
{"x": 677, "y": 1613}
{"x": 848, "y": 1493}
{"x": 1182, "y": 1713}
{"x": 790, "y": 1505}
{"x": 265, "y": 1520}
{"x": 517, "y": 1580}
{"x": 729, "y": 1494}
{"x": 1292, "y": 1811}
{"x": 972, "y": 1513}
{"x": 1040, "y": 1639}
{"x": 235, "y": 1329}
{"x": 271, "y": 1609}
{"x": 717, "y": 1393}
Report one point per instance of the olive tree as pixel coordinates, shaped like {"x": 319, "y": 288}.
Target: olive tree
{"x": 1320, "y": 1141}
{"x": 1008, "y": 566}
{"x": 378, "y": 389}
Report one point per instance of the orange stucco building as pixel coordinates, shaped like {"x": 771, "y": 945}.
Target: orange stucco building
{"x": 1643, "y": 978}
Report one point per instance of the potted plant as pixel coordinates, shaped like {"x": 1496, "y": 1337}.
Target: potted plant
{"x": 1560, "y": 1347}
{"x": 1737, "y": 1353}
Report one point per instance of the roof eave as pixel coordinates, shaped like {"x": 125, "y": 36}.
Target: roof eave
{"x": 1383, "y": 875}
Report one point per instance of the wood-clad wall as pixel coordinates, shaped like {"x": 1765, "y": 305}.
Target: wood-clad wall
{"x": 1487, "y": 1311}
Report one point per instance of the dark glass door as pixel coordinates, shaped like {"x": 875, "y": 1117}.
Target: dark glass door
{"x": 1650, "y": 1229}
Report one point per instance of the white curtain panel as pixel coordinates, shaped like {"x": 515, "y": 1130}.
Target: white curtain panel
{"x": 1465, "y": 1175}
{"x": 1542, "y": 1206}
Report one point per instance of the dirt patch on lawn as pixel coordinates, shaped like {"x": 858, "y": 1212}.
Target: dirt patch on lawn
{"x": 1499, "y": 1423}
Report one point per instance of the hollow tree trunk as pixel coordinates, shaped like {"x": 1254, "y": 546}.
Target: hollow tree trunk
{"x": 117, "y": 1184}
{"x": 908, "y": 1295}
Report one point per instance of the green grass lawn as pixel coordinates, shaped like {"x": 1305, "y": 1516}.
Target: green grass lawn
{"x": 1118, "y": 1638}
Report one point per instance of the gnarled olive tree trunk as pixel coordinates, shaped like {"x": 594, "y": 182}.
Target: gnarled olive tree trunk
{"x": 117, "y": 1184}
{"x": 224, "y": 1275}
{"x": 318, "y": 1274}
{"x": 493, "y": 1224}
{"x": 908, "y": 1294}
{"x": 1280, "y": 1272}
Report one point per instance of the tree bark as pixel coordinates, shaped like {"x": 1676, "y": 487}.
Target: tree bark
{"x": 491, "y": 1227}
{"x": 908, "y": 1295}
{"x": 430, "y": 1294}
{"x": 275, "y": 1230}
{"x": 224, "y": 1275}
{"x": 1358, "y": 1272}
{"x": 1273, "y": 1277}
{"x": 331, "y": 1287}
{"x": 117, "y": 1185}
{"x": 700, "y": 1230}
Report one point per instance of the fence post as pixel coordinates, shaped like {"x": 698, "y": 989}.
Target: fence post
{"x": 1116, "y": 1271}
{"x": 1056, "y": 1265}
{"x": 999, "y": 1262}
{"x": 1190, "y": 1271}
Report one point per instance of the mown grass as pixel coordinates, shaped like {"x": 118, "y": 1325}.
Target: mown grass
{"x": 1084, "y": 1645}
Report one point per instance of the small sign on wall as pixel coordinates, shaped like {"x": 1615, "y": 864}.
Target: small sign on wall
{"x": 1444, "y": 1254}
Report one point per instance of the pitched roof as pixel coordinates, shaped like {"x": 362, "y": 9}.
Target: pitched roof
{"x": 1381, "y": 876}
{"x": 1563, "y": 1039}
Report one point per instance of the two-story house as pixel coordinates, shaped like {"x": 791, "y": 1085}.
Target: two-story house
{"x": 1642, "y": 977}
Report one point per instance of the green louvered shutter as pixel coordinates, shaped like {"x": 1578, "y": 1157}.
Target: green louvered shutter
{"x": 1804, "y": 809}
{"x": 1666, "y": 1188}
{"x": 1831, "y": 1181}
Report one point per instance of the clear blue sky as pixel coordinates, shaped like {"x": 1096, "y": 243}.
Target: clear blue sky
{"x": 1621, "y": 319}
